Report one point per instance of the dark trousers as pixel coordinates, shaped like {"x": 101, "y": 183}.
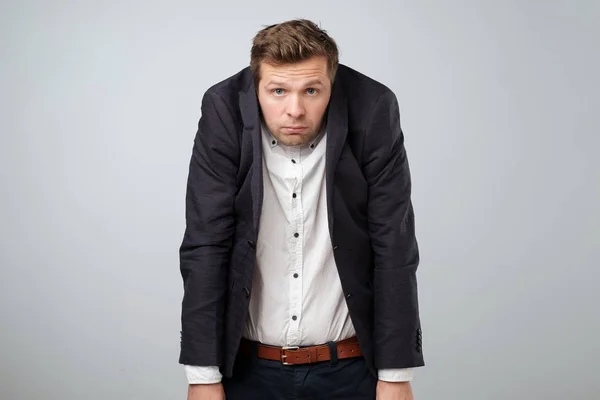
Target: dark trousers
{"x": 259, "y": 379}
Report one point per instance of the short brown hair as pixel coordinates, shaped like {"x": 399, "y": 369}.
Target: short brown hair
{"x": 292, "y": 41}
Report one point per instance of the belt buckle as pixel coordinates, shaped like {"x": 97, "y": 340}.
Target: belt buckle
{"x": 284, "y": 356}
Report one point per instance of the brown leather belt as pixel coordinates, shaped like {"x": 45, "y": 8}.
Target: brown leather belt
{"x": 294, "y": 355}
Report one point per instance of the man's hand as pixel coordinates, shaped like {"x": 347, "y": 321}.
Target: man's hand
{"x": 213, "y": 391}
{"x": 394, "y": 391}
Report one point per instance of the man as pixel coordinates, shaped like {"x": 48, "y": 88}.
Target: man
{"x": 299, "y": 257}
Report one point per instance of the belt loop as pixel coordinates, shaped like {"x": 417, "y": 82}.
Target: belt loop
{"x": 333, "y": 354}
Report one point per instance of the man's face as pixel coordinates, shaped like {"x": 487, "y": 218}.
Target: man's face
{"x": 293, "y": 99}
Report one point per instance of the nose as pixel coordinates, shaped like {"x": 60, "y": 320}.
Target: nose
{"x": 295, "y": 108}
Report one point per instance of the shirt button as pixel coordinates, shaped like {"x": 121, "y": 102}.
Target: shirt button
{"x": 294, "y": 318}
{"x": 295, "y": 275}
{"x": 294, "y": 161}
{"x": 296, "y": 234}
{"x": 294, "y": 195}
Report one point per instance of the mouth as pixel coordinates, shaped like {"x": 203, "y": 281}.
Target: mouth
{"x": 295, "y": 129}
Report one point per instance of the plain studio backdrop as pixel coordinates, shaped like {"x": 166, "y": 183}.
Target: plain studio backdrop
{"x": 99, "y": 106}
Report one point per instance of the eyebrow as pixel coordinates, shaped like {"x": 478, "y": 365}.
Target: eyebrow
{"x": 312, "y": 82}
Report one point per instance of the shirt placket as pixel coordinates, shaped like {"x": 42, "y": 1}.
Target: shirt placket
{"x": 296, "y": 250}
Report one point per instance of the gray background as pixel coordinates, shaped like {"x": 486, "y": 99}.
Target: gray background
{"x": 99, "y": 106}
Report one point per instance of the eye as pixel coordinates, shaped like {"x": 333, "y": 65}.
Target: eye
{"x": 278, "y": 92}
{"x": 312, "y": 91}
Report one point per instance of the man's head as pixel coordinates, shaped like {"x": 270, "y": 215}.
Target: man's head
{"x": 294, "y": 65}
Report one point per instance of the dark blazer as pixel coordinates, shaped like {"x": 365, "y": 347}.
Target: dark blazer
{"x": 371, "y": 221}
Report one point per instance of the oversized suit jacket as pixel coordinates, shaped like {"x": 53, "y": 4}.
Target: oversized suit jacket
{"x": 370, "y": 217}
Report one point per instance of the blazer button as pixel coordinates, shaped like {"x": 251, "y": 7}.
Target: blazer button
{"x": 246, "y": 292}
{"x": 349, "y": 295}
{"x": 251, "y": 244}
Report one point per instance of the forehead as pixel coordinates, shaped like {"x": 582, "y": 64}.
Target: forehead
{"x": 295, "y": 73}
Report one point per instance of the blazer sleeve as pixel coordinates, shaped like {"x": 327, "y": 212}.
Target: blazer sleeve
{"x": 207, "y": 241}
{"x": 397, "y": 328}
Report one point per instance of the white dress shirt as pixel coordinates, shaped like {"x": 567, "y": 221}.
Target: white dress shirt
{"x": 297, "y": 297}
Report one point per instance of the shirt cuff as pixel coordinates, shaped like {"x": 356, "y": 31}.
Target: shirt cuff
{"x": 395, "y": 374}
{"x": 202, "y": 375}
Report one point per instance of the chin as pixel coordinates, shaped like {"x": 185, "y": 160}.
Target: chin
{"x": 297, "y": 140}
{"x": 293, "y": 142}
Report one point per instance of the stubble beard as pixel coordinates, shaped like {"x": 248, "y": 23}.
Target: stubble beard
{"x": 298, "y": 139}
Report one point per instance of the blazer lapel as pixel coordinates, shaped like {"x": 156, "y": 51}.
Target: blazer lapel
{"x": 251, "y": 118}
{"x": 337, "y": 130}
